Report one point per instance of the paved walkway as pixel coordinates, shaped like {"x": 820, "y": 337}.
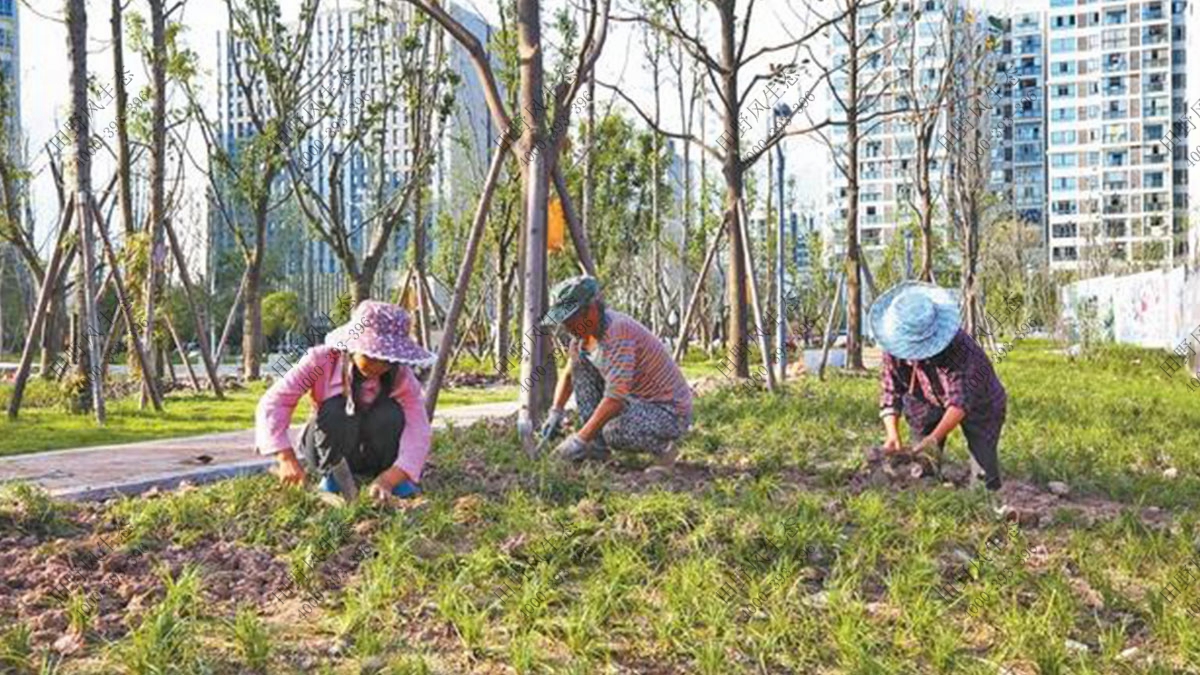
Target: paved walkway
{"x": 106, "y": 471}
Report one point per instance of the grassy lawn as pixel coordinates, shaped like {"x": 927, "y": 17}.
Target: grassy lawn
{"x": 763, "y": 552}
{"x": 43, "y": 425}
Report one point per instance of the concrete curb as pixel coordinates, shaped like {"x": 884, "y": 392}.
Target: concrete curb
{"x": 164, "y": 482}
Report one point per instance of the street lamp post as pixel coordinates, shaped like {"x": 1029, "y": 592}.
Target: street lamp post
{"x": 782, "y": 114}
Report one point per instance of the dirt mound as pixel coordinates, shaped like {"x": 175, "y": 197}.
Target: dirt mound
{"x": 1019, "y": 501}
{"x": 904, "y": 469}
{"x": 38, "y": 573}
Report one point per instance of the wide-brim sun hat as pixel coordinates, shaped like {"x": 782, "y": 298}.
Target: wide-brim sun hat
{"x": 568, "y": 296}
{"x": 915, "y": 320}
{"x": 380, "y": 330}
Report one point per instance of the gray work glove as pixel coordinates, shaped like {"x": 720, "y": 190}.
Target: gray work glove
{"x": 553, "y": 424}
{"x": 574, "y": 449}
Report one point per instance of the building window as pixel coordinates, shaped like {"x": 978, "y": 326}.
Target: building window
{"x": 1065, "y": 253}
{"x": 1059, "y": 45}
{"x": 1062, "y": 137}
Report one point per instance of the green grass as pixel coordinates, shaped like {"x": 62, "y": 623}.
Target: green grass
{"x": 824, "y": 579}
{"x": 44, "y": 425}
{"x": 460, "y": 396}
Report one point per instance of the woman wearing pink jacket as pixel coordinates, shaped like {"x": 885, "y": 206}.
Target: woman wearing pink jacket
{"x": 370, "y": 417}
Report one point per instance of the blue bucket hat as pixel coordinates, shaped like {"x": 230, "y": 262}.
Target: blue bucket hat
{"x": 915, "y": 320}
{"x": 568, "y": 296}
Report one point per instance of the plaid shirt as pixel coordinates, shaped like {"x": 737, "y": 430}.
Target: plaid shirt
{"x": 960, "y": 375}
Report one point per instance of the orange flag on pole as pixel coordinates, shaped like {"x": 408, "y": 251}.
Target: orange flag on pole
{"x": 555, "y": 224}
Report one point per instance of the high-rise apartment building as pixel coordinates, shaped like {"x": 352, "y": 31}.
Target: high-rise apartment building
{"x": 345, "y": 56}
{"x": 10, "y": 60}
{"x": 1018, "y": 162}
{"x": 887, "y": 146}
{"x": 1116, "y": 73}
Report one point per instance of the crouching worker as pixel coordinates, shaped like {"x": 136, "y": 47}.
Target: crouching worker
{"x": 370, "y": 412}
{"x": 629, "y": 392}
{"x": 938, "y": 376}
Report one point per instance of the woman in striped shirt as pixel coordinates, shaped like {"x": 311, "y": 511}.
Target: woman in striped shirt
{"x": 630, "y": 394}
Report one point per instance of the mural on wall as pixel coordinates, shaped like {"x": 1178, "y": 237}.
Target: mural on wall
{"x": 1141, "y": 310}
{"x": 1150, "y": 309}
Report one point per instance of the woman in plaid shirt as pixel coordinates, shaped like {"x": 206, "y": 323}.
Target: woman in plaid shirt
{"x": 937, "y": 376}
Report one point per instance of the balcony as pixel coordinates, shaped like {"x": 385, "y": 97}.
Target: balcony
{"x": 1154, "y": 207}
{"x": 1156, "y": 63}
{"x": 1157, "y": 158}
{"x": 1116, "y": 185}
{"x": 1115, "y": 43}
{"x": 1115, "y": 209}
{"x": 1155, "y": 87}
{"x": 1154, "y": 36}
{"x": 1115, "y": 114}
{"x": 1029, "y": 70}
{"x": 1154, "y": 14}
{"x": 1155, "y": 111}
{"x": 1117, "y": 66}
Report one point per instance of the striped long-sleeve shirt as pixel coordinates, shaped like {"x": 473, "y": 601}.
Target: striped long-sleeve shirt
{"x": 960, "y": 375}
{"x": 634, "y": 362}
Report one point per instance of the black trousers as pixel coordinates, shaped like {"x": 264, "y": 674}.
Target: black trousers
{"x": 368, "y": 440}
{"x": 982, "y": 433}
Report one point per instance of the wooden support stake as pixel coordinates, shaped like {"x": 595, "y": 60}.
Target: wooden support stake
{"x": 123, "y": 302}
{"x": 49, "y": 279}
{"x": 201, "y": 334}
{"x": 463, "y": 283}
{"x": 833, "y": 314}
{"x": 182, "y": 354}
{"x": 763, "y": 345}
{"x": 681, "y": 347}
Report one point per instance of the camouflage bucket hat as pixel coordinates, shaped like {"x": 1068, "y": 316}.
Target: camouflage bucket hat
{"x": 568, "y": 297}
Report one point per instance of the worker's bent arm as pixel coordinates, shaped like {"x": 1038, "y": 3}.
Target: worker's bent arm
{"x": 608, "y": 409}
{"x": 950, "y": 421}
{"x": 563, "y": 393}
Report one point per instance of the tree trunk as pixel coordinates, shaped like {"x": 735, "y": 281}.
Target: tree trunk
{"x": 85, "y": 287}
{"x": 124, "y": 189}
{"x": 529, "y": 47}
{"x": 158, "y": 164}
{"x": 926, "y": 219}
{"x": 503, "y": 309}
{"x": 853, "y": 287}
{"x": 736, "y": 344}
{"x": 589, "y": 162}
{"x": 252, "y": 319}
